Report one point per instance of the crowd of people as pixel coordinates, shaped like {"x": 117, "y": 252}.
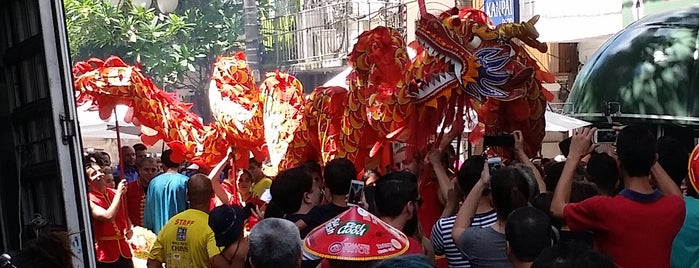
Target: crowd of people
{"x": 620, "y": 205}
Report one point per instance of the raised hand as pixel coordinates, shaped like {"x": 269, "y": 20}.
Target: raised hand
{"x": 519, "y": 141}
{"x": 581, "y": 142}
{"x": 121, "y": 188}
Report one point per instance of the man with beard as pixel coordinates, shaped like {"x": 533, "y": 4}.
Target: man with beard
{"x": 136, "y": 194}
{"x": 397, "y": 202}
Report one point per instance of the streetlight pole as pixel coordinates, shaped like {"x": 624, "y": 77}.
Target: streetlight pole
{"x": 253, "y": 38}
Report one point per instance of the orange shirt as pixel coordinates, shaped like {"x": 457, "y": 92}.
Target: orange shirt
{"x": 135, "y": 202}
{"x": 110, "y": 242}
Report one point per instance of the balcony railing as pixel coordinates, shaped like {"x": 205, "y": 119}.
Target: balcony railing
{"x": 321, "y": 35}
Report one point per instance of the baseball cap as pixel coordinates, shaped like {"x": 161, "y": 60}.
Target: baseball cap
{"x": 227, "y": 222}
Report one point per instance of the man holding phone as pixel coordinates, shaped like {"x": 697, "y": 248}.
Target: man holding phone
{"x": 636, "y": 227}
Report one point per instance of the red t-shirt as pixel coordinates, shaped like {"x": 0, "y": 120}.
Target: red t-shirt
{"x": 431, "y": 208}
{"x": 634, "y": 229}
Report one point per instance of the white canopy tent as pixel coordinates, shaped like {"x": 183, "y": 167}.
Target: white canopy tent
{"x": 92, "y": 126}
{"x": 560, "y": 123}
{"x": 100, "y": 135}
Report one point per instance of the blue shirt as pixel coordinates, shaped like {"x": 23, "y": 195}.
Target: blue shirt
{"x": 130, "y": 173}
{"x": 166, "y": 197}
{"x": 685, "y": 247}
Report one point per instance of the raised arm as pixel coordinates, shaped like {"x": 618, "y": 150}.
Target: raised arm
{"x": 579, "y": 147}
{"x": 524, "y": 159}
{"x": 470, "y": 205}
{"x": 663, "y": 181}
{"x": 221, "y": 194}
{"x": 110, "y": 213}
{"x": 435, "y": 159}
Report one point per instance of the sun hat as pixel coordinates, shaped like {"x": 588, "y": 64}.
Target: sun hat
{"x": 227, "y": 222}
{"x": 356, "y": 235}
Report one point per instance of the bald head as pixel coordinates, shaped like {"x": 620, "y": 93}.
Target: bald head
{"x": 199, "y": 190}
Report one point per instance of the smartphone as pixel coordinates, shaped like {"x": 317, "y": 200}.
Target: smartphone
{"x": 502, "y": 140}
{"x": 494, "y": 163}
{"x": 603, "y": 136}
{"x": 356, "y": 193}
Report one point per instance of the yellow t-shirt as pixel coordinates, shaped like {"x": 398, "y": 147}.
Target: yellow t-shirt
{"x": 259, "y": 188}
{"x": 186, "y": 241}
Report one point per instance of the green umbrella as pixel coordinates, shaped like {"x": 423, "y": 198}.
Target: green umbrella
{"x": 646, "y": 73}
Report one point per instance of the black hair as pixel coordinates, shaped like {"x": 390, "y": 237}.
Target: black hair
{"x": 289, "y": 187}
{"x": 553, "y": 174}
{"x": 509, "y": 190}
{"x": 393, "y": 191}
{"x": 139, "y": 147}
{"x": 166, "y": 159}
{"x": 273, "y": 210}
{"x": 636, "y": 148}
{"x": 92, "y": 158}
{"x": 574, "y": 254}
{"x": 582, "y": 190}
{"x": 338, "y": 176}
{"x": 528, "y": 232}
{"x": 147, "y": 159}
{"x": 312, "y": 167}
{"x": 470, "y": 173}
{"x": 564, "y": 146}
{"x": 543, "y": 202}
{"x": 226, "y": 170}
{"x": 674, "y": 158}
{"x": 602, "y": 171}
{"x": 401, "y": 176}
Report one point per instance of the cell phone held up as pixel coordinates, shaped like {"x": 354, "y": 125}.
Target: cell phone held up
{"x": 604, "y": 136}
{"x": 501, "y": 140}
{"x": 356, "y": 193}
{"x": 494, "y": 163}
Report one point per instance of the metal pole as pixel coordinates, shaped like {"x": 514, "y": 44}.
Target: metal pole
{"x": 121, "y": 157}
{"x": 253, "y": 39}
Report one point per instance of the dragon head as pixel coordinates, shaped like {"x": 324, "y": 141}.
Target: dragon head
{"x": 448, "y": 61}
{"x": 237, "y": 106}
{"x": 463, "y": 50}
{"x": 234, "y": 98}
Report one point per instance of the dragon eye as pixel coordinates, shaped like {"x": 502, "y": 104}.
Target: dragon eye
{"x": 474, "y": 41}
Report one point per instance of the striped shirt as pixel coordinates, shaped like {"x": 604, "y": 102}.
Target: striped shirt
{"x": 443, "y": 242}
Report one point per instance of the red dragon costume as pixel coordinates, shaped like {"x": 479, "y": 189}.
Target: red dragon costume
{"x": 463, "y": 63}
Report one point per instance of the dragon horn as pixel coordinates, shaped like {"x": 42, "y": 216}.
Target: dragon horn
{"x": 115, "y": 61}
